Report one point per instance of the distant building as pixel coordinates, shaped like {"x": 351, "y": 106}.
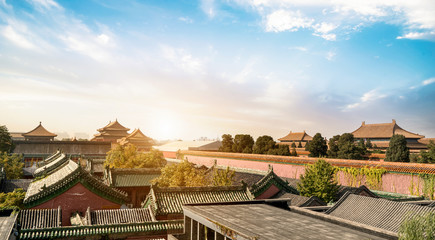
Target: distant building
{"x": 137, "y": 138}
{"x": 39, "y": 134}
{"x": 381, "y": 133}
{"x": 298, "y": 138}
{"x": 170, "y": 149}
{"x": 111, "y": 132}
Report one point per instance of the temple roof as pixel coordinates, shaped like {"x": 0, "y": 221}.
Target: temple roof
{"x": 164, "y": 201}
{"x": 9, "y": 185}
{"x": 39, "y": 131}
{"x": 113, "y": 126}
{"x": 296, "y": 136}
{"x": 300, "y": 201}
{"x": 65, "y": 177}
{"x": 53, "y": 164}
{"x": 131, "y": 177}
{"x": 271, "y": 179}
{"x": 376, "y": 212}
{"x": 382, "y": 130}
{"x": 135, "y": 137}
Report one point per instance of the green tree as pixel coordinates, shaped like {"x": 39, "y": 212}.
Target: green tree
{"x": 223, "y": 177}
{"x": 300, "y": 145}
{"x": 293, "y": 152}
{"x": 12, "y": 164}
{"x": 279, "y": 149}
{"x": 12, "y": 200}
{"x": 317, "y": 146}
{"x": 6, "y": 144}
{"x": 418, "y": 227}
{"x": 227, "y": 143}
{"x": 293, "y": 145}
{"x": 181, "y": 175}
{"x": 428, "y": 156}
{"x": 243, "y": 143}
{"x": 333, "y": 146}
{"x": 369, "y": 144}
{"x": 397, "y": 150}
{"x": 319, "y": 180}
{"x": 263, "y": 144}
{"x": 129, "y": 157}
{"x": 347, "y": 149}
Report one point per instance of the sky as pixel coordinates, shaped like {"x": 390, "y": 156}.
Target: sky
{"x": 191, "y": 69}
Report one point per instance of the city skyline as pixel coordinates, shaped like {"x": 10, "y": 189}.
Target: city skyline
{"x": 202, "y": 69}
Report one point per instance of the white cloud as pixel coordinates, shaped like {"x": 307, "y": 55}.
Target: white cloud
{"x": 366, "y": 98}
{"x": 17, "y": 38}
{"x": 330, "y": 55}
{"x": 42, "y": 5}
{"x": 299, "y": 48}
{"x": 416, "y": 17}
{"x": 286, "y": 20}
{"x": 428, "y": 81}
{"x": 208, "y": 7}
{"x": 182, "y": 59}
{"x": 185, "y": 19}
{"x": 323, "y": 30}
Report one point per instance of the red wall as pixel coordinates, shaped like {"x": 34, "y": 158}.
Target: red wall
{"x": 270, "y": 192}
{"x": 170, "y": 154}
{"x": 77, "y": 198}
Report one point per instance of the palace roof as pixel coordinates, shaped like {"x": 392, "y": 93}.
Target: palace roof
{"x": 40, "y": 218}
{"x": 376, "y": 212}
{"x": 131, "y": 177}
{"x": 164, "y": 201}
{"x": 50, "y": 158}
{"x": 135, "y": 137}
{"x": 65, "y": 177}
{"x": 9, "y": 185}
{"x": 113, "y": 126}
{"x": 296, "y": 136}
{"x": 51, "y": 166}
{"x": 39, "y": 131}
{"x": 300, "y": 201}
{"x": 8, "y": 218}
{"x": 95, "y": 165}
{"x": 382, "y": 130}
{"x": 361, "y": 190}
{"x": 432, "y": 205}
{"x": 271, "y": 179}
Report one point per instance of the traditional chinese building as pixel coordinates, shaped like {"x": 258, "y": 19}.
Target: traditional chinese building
{"x": 167, "y": 203}
{"x": 39, "y": 134}
{"x": 111, "y": 132}
{"x": 136, "y": 182}
{"x": 381, "y": 133}
{"x": 73, "y": 189}
{"x": 300, "y": 139}
{"x": 137, "y": 138}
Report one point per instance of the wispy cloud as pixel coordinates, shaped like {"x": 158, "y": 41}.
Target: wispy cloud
{"x": 286, "y": 20}
{"x": 368, "y": 97}
{"x": 209, "y": 8}
{"x": 428, "y": 81}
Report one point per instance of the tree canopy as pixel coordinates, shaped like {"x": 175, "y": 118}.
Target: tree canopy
{"x": 129, "y": 157}
{"x": 263, "y": 144}
{"x": 12, "y": 164}
{"x": 282, "y": 150}
{"x": 6, "y": 144}
{"x": 319, "y": 180}
{"x": 397, "y": 150}
{"x": 227, "y": 143}
{"x": 317, "y": 147}
{"x": 183, "y": 174}
{"x": 12, "y": 200}
{"x": 223, "y": 177}
{"x": 418, "y": 227}
{"x": 428, "y": 156}
{"x": 243, "y": 143}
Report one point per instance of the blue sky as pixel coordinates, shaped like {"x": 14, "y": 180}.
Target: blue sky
{"x": 187, "y": 69}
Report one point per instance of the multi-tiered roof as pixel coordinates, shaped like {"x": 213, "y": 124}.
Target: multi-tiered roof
{"x": 39, "y": 134}
{"x": 111, "y": 132}
{"x": 137, "y": 138}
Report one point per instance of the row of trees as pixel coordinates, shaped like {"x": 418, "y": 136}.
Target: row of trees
{"x": 185, "y": 174}
{"x": 244, "y": 143}
{"x": 12, "y": 164}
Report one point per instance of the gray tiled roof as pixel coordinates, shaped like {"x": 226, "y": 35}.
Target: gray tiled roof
{"x": 262, "y": 221}
{"x": 131, "y": 177}
{"x": 376, "y": 212}
{"x": 40, "y": 218}
{"x": 300, "y": 201}
{"x": 51, "y": 166}
{"x": 361, "y": 190}
{"x": 118, "y": 216}
{"x": 59, "y": 180}
{"x": 7, "y": 221}
{"x": 432, "y": 204}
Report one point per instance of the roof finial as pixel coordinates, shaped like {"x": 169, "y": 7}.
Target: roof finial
{"x": 40, "y": 123}
{"x": 394, "y": 121}
{"x": 363, "y": 123}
